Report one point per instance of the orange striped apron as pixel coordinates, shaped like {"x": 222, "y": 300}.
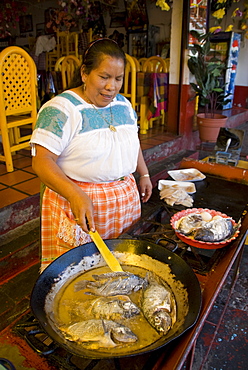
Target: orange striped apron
{"x": 116, "y": 208}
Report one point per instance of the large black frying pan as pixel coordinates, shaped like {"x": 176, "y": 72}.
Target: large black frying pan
{"x": 137, "y": 248}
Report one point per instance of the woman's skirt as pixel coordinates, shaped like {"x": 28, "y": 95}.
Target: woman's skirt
{"x": 116, "y": 208}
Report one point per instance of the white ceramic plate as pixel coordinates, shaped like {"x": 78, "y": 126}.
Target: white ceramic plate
{"x": 188, "y": 174}
{"x": 189, "y": 187}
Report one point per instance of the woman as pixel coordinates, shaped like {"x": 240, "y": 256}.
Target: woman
{"x": 85, "y": 148}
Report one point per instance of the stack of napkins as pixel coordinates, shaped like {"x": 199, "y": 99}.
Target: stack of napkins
{"x": 176, "y": 193}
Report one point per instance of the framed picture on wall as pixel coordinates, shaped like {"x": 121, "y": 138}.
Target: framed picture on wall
{"x": 137, "y": 16}
{"x": 118, "y": 19}
{"x": 26, "y": 23}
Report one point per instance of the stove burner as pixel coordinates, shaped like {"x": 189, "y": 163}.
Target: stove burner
{"x": 6, "y": 364}
{"x": 29, "y": 329}
{"x": 157, "y": 229}
{"x": 154, "y": 226}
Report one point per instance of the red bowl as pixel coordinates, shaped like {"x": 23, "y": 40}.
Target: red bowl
{"x": 197, "y": 243}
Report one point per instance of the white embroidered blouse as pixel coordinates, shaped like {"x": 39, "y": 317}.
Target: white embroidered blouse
{"x": 88, "y": 150}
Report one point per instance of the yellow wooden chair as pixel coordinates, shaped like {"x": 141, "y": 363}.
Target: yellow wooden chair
{"x": 58, "y": 64}
{"x": 143, "y": 107}
{"x": 62, "y": 41}
{"x": 129, "y": 84}
{"x": 90, "y": 35}
{"x": 18, "y": 101}
{"x": 51, "y": 58}
{"x": 167, "y": 62}
{"x": 137, "y": 64}
{"x": 85, "y": 38}
{"x": 66, "y": 44}
{"x": 72, "y": 44}
{"x": 57, "y": 75}
{"x": 130, "y": 88}
{"x": 69, "y": 66}
{"x": 138, "y": 107}
{"x": 141, "y": 62}
{"x": 53, "y": 55}
{"x": 154, "y": 64}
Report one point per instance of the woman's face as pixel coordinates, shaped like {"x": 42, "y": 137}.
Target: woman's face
{"x": 103, "y": 83}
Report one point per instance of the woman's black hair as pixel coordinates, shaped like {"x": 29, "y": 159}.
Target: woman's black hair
{"x": 96, "y": 51}
{"x": 94, "y": 55}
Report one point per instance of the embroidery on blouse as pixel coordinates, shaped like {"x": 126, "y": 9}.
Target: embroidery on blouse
{"x": 92, "y": 121}
{"x": 53, "y": 120}
{"x": 71, "y": 233}
{"x": 71, "y": 98}
{"x": 120, "y": 97}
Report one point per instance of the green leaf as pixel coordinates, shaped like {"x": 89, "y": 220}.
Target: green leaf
{"x": 218, "y": 89}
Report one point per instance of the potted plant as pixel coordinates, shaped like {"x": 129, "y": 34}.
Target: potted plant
{"x": 208, "y": 72}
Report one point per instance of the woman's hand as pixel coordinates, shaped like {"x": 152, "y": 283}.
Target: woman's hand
{"x": 145, "y": 188}
{"x": 45, "y": 165}
{"x": 83, "y": 210}
{"x": 144, "y": 181}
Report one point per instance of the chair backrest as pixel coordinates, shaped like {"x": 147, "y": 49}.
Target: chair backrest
{"x": 52, "y": 57}
{"x": 167, "y": 61}
{"x": 141, "y": 62}
{"x": 58, "y": 64}
{"x": 90, "y": 35}
{"x": 62, "y": 40}
{"x": 18, "y": 101}
{"x": 67, "y": 43}
{"x": 84, "y": 38}
{"x": 18, "y": 82}
{"x": 129, "y": 84}
{"x": 72, "y": 44}
{"x": 155, "y": 64}
{"x": 69, "y": 66}
{"x": 137, "y": 64}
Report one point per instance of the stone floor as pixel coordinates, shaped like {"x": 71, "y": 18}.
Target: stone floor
{"x": 228, "y": 349}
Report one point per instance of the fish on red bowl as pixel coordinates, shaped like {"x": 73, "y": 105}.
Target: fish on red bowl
{"x": 204, "y": 228}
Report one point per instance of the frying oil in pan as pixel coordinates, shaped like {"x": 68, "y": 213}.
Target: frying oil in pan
{"x": 71, "y": 306}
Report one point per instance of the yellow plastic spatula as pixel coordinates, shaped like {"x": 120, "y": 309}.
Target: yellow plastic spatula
{"x": 108, "y": 256}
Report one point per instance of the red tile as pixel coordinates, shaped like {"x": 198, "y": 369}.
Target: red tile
{"x": 10, "y": 196}
{"x": 29, "y": 169}
{"x": 15, "y": 177}
{"x": 18, "y": 155}
{"x": 31, "y": 186}
{"x": 22, "y": 162}
{"x": 26, "y": 151}
{"x": 145, "y": 146}
{"x": 152, "y": 142}
{"x": 2, "y": 168}
{"x": 2, "y": 187}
